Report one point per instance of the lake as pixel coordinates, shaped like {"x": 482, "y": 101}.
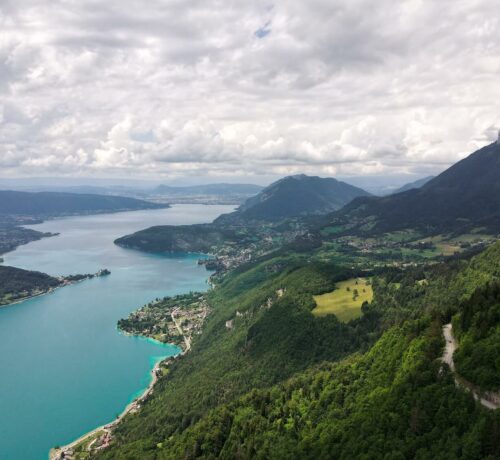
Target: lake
{"x": 65, "y": 368}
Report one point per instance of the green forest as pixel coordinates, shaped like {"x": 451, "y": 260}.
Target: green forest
{"x": 16, "y": 283}
{"x": 283, "y": 383}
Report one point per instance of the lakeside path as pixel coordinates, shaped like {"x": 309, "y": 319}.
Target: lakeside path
{"x": 65, "y": 452}
{"x": 489, "y": 399}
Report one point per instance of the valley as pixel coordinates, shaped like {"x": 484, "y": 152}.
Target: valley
{"x": 335, "y": 310}
{"x": 69, "y": 369}
{"x": 249, "y": 230}
{"x": 292, "y": 357}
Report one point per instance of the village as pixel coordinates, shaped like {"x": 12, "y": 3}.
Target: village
{"x": 173, "y": 320}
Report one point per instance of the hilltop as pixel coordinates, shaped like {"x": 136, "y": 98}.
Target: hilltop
{"x": 258, "y": 224}
{"x": 295, "y": 196}
{"x": 465, "y": 197}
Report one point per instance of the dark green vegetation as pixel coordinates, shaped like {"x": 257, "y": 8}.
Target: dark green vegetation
{"x": 463, "y": 198}
{"x": 17, "y": 284}
{"x": 267, "y": 379}
{"x": 180, "y": 238}
{"x": 477, "y": 327}
{"x": 391, "y": 403}
{"x": 12, "y": 236}
{"x": 56, "y": 204}
{"x": 295, "y": 196}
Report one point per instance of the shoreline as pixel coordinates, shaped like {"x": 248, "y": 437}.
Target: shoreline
{"x": 24, "y": 299}
{"x": 49, "y": 291}
{"x": 62, "y": 451}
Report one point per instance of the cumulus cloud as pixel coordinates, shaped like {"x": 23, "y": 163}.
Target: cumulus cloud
{"x": 205, "y": 87}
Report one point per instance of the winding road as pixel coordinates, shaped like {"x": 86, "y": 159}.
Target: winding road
{"x": 489, "y": 399}
{"x": 187, "y": 341}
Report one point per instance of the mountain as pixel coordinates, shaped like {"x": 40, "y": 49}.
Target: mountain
{"x": 179, "y": 238}
{"x": 267, "y": 379}
{"x": 464, "y": 197}
{"x": 294, "y": 196}
{"x": 55, "y": 203}
{"x": 416, "y": 184}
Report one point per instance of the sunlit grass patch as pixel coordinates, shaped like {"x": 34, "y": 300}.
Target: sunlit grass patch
{"x": 346, "y": 301}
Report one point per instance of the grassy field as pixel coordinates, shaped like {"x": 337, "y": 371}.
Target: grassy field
{"x": 343, "y": 302}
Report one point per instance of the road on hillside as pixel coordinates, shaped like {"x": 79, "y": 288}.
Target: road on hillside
{"x": 490, "y": 400}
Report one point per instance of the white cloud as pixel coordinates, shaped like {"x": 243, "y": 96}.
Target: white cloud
{"x": 207, "y": 87}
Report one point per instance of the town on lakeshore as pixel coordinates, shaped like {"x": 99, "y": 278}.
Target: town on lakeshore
{"x": 250, "y": 230}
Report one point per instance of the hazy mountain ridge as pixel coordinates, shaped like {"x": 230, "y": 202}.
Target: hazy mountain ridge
{"x": 210, "y": 189}
{"x": 465, "y": 196}
{"x": 57, "y": 203}
{"x": 412, "y": 185}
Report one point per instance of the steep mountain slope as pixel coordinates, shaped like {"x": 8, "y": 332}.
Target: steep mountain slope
{"x": 415, "y": 184}
{"x": 391, "y": 403}
{"x": 55, "y": 203}
{"x": 465, "y": 196}
{"x": 271, "y": 385}
{"x": 294, "y": 196}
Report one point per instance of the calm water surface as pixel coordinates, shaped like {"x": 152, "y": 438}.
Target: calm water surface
{"x": 64, "y": 368}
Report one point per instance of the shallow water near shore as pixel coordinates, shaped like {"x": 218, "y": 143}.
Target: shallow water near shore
{"x": 65, "y": 369}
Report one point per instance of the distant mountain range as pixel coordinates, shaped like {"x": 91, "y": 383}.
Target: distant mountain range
{"x": 207, "y": 194}
{"x": 210, "y": 189}
{"x": 221, "y": 193}
{"x": 55, "y": 203}
{"x": 465, "y": 196}
{"x": 295, "y": 196}
{"x": 415, "y": 184}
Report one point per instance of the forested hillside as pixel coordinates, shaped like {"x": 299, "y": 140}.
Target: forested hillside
{"x": 179, "y": 238}
{"x": 464, "y": 197}
{"x": 16, "y": 283}
{"x": 478, "y": 329}
{"x": 295, "y": 196}
{"x": 267, "y": 379}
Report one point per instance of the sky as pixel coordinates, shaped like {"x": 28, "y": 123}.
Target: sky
{"x": 186, "y": 89}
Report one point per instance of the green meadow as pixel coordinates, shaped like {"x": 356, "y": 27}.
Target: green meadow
{"x": 346, "y": 300}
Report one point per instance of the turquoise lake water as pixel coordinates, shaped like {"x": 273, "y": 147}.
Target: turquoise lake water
{"x": 65, "y": 369}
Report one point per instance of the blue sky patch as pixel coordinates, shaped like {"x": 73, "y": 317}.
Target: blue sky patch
{"x": 263, "y": 31}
